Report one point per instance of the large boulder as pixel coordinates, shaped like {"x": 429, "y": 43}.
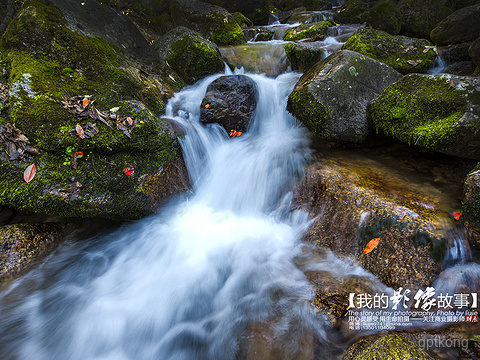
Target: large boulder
{"x": 474, "y": 51}
{"x": 65, "y": 101}
{"x": 459, "y": 27}
{"x": 385, "y": 16}
{"x": 420, "y": 17}
{"x": 22, "y": 245}
{"x": 471, "y": 205}
{"x": 190, "y": 55}
{"x": 304, "y": 55}
{"x": 404, "y": 54}
{"x": 211, "y": 21}
{"x": 439, "y": 112}
{"x": 230, "y": 101}
{"x": 256, "y": 10}
{"x": 355, "y": 200}
{"x": 352, "y": 12}
{"x": 331, "y": 98}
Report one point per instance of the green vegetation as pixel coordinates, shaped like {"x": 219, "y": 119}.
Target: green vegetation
{"x": 403, "y": 54}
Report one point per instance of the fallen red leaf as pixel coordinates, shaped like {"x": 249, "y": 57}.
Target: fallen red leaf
{"x": 85, "y": 102}
{"x": 80, "y": 132}
{"x": 207, "y": 106}
{"x": 234, "y": 133}
{"x": 129, "y": 120}
{"x": 457, "y": 214}
{"x": 29, "y": 173}
{"x": 78, "y": 154}
{"x": 372, "y": 244}
{"x": 129, "y": 170}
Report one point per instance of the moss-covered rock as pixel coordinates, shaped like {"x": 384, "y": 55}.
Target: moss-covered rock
{"x": 406, "y": 55}
{"x": 474, "y": 51}
{"x": 190, "y": 55}
{"x": 264, "y": 35}
{"x": 303, "y": 56}
{"x": 471, "y": 205}
{"x": 459, "y": 27}
{"x": 354, "y": 200}
{"x": 242, "y": 20}
{"x": 352, "y": 12}
{"x": 256, "y": 10}
{"x": 47, "y": 61}
{"x": 307, "y": 30}
{"x": 420, "y": 17}
{"x": 385, "y": 16}
{"x": 440, "y": 112}
{"x": 330, "y": 99}
{"x": 22, "y": 245}
{"x": 392, "y": 347}
{"x": 211, "y": 21}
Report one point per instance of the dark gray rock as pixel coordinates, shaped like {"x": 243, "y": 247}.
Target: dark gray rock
{"x": 230, "y": 101}
{"x": 462, "y": 68}
{"x": 474, "y": 51}
{"x": 461, "y": 26}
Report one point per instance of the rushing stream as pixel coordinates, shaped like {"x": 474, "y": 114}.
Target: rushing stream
{"x": 188, "y": 283}
{"x": 195, "y": 281}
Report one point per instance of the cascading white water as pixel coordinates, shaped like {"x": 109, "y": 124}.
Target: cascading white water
{"x": 186, "y": 284}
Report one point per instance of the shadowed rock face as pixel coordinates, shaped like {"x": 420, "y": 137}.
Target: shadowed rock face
{"x": 21, "y": 245}
{"x": 230, "y": 101}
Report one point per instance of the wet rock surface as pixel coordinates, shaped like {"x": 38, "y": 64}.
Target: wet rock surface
{"x": 353, "y": 201}
{"x": 230, "y": 101}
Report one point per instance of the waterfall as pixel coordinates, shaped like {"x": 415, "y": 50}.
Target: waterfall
{"x": 190, "y": 282}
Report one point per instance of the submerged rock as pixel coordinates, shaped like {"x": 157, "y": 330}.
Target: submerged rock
{"x": 230, "y": 101}
{"x": 439, "y": 112}
{"x": 190, "y": 55}
{"x": 459, "y": 27}
{"x": 331, "y": 98}
{"x": 22, "y": 245}
{"x": 406, "y": 55}
{"x": 355, "y": 200}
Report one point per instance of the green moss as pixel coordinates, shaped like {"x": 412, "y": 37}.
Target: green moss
{"x": 392, "y": 347}
{"x": 309, "y": 111}
{"x": 193, "y": 59}
{"x": 308, "y": 31}
{"x": 303, "y": 57}
{"x": 385, "y": 16}
{"x": 228, "y": 33}
{"x": 241, "y": 19}
{"x": 419, "y": 110}
{"x": 352, "y": 12}
{"x": 396, "y": 51}
{"x": 47, "y": 61}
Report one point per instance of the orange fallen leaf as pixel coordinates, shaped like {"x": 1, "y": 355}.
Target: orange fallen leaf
{"x": 80, "y": 132}
{"x": 207, "y": 106}
{"x": 129, "y": 170}
{"x": 29, "y": 173}
{"x": 372, "y": 244}
{"x": 456, "y": 215}
{"x": 78, "y": 154}
{"x": 85, "y": 102}
{"x": 234, "y": 133}
{"x": 129, "y": 120}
